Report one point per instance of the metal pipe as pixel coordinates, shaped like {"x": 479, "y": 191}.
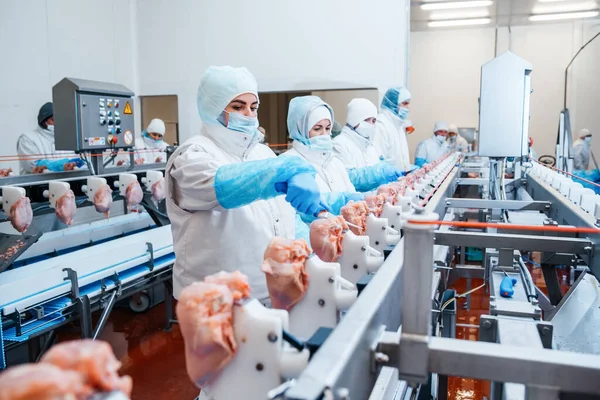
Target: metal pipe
{"x": 105, "y": 313}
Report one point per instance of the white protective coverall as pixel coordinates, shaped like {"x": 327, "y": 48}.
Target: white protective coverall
{"x": 431, "y": 149}
{"x": 39, "y": 141}
{"x": 206, "y": 237}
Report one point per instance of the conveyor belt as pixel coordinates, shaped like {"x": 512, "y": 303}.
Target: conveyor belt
{"x": 44, "y": 280}
{"x": 12, "y": 246}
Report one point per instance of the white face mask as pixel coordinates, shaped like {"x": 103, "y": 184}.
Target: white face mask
{"x": 587, "y": 139}
{"x": 440, "y": 139}
{"x": 50, "y": 128}
{"x": 365, "y": 130}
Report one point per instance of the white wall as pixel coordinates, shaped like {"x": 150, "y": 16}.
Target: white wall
{"x": 445, "y": 74}
{"x": 303, "y": 45}
{"x": 43, "y": 41}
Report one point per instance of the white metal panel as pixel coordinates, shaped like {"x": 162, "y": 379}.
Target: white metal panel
{"x": 504, "y": 106}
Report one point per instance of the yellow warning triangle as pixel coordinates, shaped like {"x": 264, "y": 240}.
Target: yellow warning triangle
{"x": 127, "y": 109}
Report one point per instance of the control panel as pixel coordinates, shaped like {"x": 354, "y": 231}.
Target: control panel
{"x": 91, "y": 115}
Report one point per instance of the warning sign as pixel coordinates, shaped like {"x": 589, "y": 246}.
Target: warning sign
{"x": 128, "y": 136}
{"x": 127, "y": 109}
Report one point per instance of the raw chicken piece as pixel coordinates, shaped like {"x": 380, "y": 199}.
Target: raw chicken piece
{"x": 158, "y": 190}
{"x": 399, "y": 187}
{"x": 235, "y": 281}
{"x": 284, "y": 267}
{"x": 159, "y": 159}
{"x": 39, "y": 170}
{"x": 389, "y": 191}
{"x": 66, "y": 207}
{"x": 94, "y": 361}
{"x": 375, "y": 204}
{"x": 120, "y": 163}
{"x": 355, "y": 212}
{"x": 21, "y": 214}
{"x": 205, "y": 314}
{"x": 41, "y": 382}
{"x": 326, "y": 236}
{"x": 134, "y": 194}
{"x": 139, "y": 161}
{"x": 103, "y": 200}
{"x": 5, "y": 172}
{"x": 70, "y": 166}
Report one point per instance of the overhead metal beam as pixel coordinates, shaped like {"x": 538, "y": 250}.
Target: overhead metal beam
{"x": 522, "y": 205}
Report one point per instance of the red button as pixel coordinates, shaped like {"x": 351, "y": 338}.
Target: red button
{"x": 115, "y": 140}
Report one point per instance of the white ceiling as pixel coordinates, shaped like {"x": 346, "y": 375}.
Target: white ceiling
{"x": 502, "y": 12}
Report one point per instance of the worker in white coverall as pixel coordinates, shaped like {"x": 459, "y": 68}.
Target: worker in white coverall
{"x": 33, "y": 147}
{"x": 354, "y": 147}
{"x": 225, "y": 190}
{"x": 433, "y": 148}
{"x": 581, "y": 159}
{"x": 309, "y": 122}
{"x": 390, "y": 137}
{"x": 455, "y": 141}
{"x": 150, "y": 147}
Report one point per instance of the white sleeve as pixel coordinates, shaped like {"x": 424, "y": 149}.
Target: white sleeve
{"x": 381, "y": 142}
{"x": 421, "y": 151}
{"x": 27, "y": 147}
{"x": 193, "y": 172}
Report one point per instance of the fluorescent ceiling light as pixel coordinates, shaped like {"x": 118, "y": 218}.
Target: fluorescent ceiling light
{"x": 447, "y": 5}
{"x": 564, "y": 7}
{"x": 559, "y": 16}
{"x": 550, "y": 1}
{"x": 459, "y": 22}
{"x": 459, "y": 14}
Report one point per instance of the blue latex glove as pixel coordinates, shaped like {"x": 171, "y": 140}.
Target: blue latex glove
{"x": 78, "y": 161}
{"x": 592, "y": 175}
{"x": 304, "y": 195}
{"x": 302, "y": 229}
{"x": 369, "y": 178}
{"x": 54, "y": 165}
{"x": 419, "y": 162}
{"x": 333, "y": 203}
{"x": 240, "y": 184}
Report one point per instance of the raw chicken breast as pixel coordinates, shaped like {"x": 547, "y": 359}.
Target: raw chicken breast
{"x": 158, "y": 190}
{"x": 399, "y": 187}
{"x": 103, "y": 200}
{"x": 94, "y": 361}
{"x": 355, "y": 212}
{"x": 326, "y": 236}
{"x": 5, "y": 172}
{"x": 389, "y": 191}
{"x": 66, "y": 208}
{"x": 70, "y": 166}
{"x": 284, "y": 267}
{"x": 134, "y": 194}
{"x": 235, "y": 281}
{"x": 205, "y": 314}
{"x": 159, "y": 159}
{"x": 21, "y": 214}
{"x": 139, "y": 161}
{"x": 41, "y": 382}
{"x": 375, "y": 204}
{"x": 38, "y": 170}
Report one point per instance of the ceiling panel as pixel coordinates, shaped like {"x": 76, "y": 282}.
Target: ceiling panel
{"x": 501, "y": 12}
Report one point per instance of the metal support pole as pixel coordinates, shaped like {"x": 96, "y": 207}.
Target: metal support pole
{"x": 552, "y": 284}
{"x": 105, "y": 314}
{"x": 417, "y": 275}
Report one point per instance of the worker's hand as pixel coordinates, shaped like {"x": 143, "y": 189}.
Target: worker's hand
{"x": 304, "y": 195}
{"x": 392, "y": 173}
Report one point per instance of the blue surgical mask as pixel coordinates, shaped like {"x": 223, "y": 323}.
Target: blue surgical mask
{"x": 321, "y": 143}
{"x": 440, "y": 139}
{"x": 588, "y": 139}
{"x": 240, "y": 123}
{"x": 50, "y": 128}
{"x": 402, "y": 112}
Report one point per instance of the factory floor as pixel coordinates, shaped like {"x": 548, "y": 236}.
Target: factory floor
{"x": 154, "y": 358}
{"x": 471, "y": 389}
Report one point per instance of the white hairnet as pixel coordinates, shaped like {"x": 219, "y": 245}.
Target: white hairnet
{"x": 220, "y": 85}
{"x": 584, "y": 132}
{"x": 318, "y": 114}
{"x": 453, "y": 128}
{"x": 359, "y": 110}
{"x": 156, "y": 126}
{"x": 440, "y": 126}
